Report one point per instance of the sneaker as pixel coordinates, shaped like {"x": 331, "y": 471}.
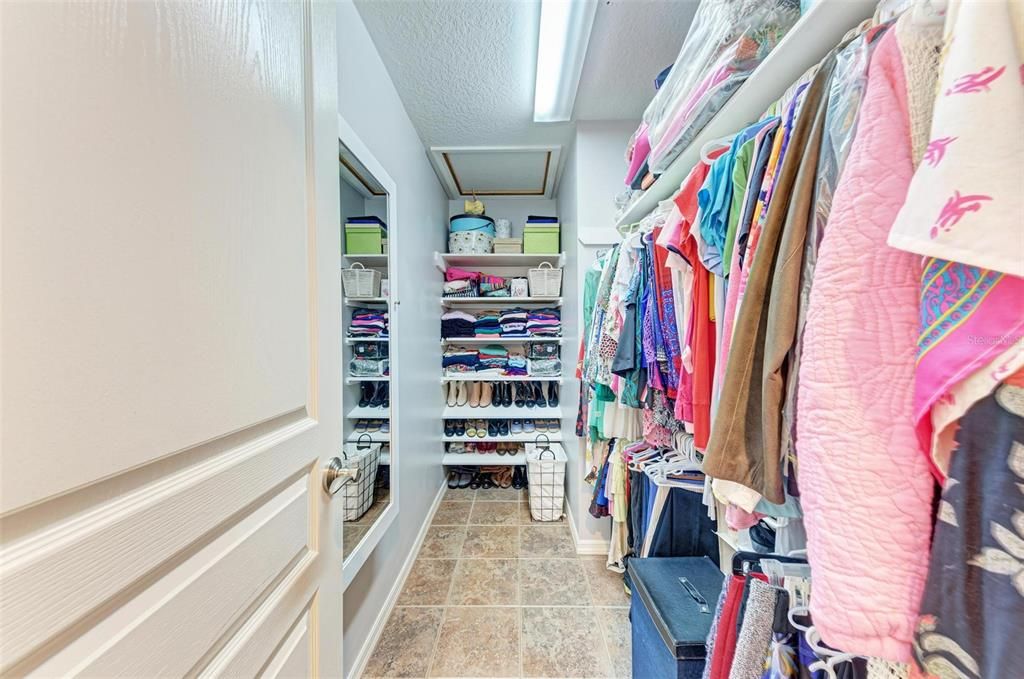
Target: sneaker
{"x": 529, "y": 427}
{"x": 516, "y": 427}
{"x": 385, "y": 426}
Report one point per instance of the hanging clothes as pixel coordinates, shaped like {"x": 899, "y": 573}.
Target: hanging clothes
{"x": 865, "y": 487}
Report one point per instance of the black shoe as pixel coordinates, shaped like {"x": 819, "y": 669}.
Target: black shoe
{"x": 553, "y": 394}
{"x": 449, "y": 428}
{"x": 517, "y": 478}
{"x": 377, "y": 400}
{"x": 507, "y": 401}
{"x": 459, "y": 427}
{"x": 487, "y": 482}
{"x": 453, "y": 479}
{"x": 365, "y": 393}
{"x": 531, "y": 395}
{"x": 386, "y": 388}
{"x": 520, "y": 392}
{"x": 504, "y": 427}
{"x": 538, "y": 390}
{"x": 492, "y": 428}
{"x": 465, "y": 478}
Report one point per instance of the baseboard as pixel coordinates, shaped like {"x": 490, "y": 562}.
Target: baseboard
{"x": 586, "y": 547}
{"x": 385, "y": 612}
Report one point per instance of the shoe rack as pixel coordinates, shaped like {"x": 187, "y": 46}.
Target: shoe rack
{"x": 470, "y": 398}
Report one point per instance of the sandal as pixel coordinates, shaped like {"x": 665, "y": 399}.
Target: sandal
{"x": 476, "y": 481}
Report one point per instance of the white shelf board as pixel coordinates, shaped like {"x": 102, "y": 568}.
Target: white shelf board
{"x": 501, "y": 301}
{"x": 360, "y": 301}
{"x": 442, "y": 260}
{"x": 499, "y": 340}
{"x": 353, "y": 340}
{"x": 375, "y": 437}
{"x": 502, "y": 378}
{"x": 351, "y": 379}
{"x": 510, "y": 438}
{"x": 358, "y": 413}
{"x": 510, "y": 413}
{"x": 813, "y": 36}
{"x": 385, "y": 458}
{"x": 367, "y": 260}
{"x": 480, "y": 459}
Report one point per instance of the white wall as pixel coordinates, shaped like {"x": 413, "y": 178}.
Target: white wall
{"x": 513, "y": 209}
{"x": 592, "y": 176}
{"x": 369, "y": 103}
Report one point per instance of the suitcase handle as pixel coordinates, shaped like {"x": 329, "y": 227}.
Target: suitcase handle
{"x": 695, "y": 593}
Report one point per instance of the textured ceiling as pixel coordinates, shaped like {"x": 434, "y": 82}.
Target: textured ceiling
{"x": 465, "y": 68}
{"x": 632, "y": 41}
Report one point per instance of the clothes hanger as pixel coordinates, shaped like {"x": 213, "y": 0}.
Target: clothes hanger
{"x": 829, "y": 666}
{"x": 715, "y": 144}
{"x": 745, "y": 562}
{"x": 799, "y": 610}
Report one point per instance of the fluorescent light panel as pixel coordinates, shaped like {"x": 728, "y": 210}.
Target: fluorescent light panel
{"x": 565, "y": 27}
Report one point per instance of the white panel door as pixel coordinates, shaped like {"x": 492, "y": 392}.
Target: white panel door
{"x": 169, "y": 339}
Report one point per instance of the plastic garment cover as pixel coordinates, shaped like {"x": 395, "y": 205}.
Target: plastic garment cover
{"x": 725, "y": 43}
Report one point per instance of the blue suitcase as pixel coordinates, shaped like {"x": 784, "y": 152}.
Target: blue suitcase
{"x": 672, "y": 607}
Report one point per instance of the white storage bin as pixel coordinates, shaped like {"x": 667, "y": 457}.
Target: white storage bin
{"x": 545, "y": 281}
{"x": 545, "y": 470}
{"x": 361, "y": 282}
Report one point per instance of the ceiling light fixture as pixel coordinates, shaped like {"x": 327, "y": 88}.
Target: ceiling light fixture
{"x": 565, "y": 27}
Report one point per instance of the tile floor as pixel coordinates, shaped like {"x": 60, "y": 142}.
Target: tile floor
{"x": 495, "y": 594}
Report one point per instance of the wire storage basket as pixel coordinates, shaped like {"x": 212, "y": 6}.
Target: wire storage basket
{"x": 545, "y": 471}
{"x": 360, "y": 281}
{"x": 357, "y": 495}
{"x": 545, "y": 281}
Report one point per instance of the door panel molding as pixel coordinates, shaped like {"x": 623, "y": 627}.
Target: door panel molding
{"x": 121, "y": 546}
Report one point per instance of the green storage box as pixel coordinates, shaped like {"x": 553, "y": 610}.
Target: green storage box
{"x": 542, "y": 239}
{"x": 364, "y": 239}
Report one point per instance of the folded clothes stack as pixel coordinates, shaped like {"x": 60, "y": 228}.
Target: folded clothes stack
{"x": 460, "y": 288}
{"x": 494, "y": 286}
{"x": 544, "y": 323}
{"x": 517, "y": 366}
{"x": 493, "y": 359}
{"x": 457, "y": 324}
{"x": 460, "y": 360}
{"x": 368, "y": 323}
{"x": 513, "y": 323}
{"x": 487, "y": 325}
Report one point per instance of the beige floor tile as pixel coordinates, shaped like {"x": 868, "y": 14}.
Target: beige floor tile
{"x": 495, "y": 513}
{"x": 477, "y": 642}
{"x": 443, "y": 542}
{"x": 559, "y": 642}
{"x": 491, "y": 541}
{"x": 452, "y": 514}
{"x": 545, "y": 540}
{"x": 485, "y": 582}
{"x": 428, "y": 583}
{"x": 500, "y": 495}
{"x": 459, "y": 495}
{"x": 380, "y": 503}
{"x": 405, "y": 644}
{"x": 351, "y": 534}
{"x": 618, "y": 635}
{"x": 552, "y": 582}
{"x": 605, "y": 585}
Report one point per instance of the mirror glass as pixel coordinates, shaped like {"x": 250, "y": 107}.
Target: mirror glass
{"x": 366, "y": 356}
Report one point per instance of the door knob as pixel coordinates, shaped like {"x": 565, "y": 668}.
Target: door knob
{"x": 336, "y": 475}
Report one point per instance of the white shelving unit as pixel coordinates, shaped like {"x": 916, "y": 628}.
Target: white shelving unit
{"x": 473, "y": 341}
{"x": 352, "y": 379}
{"x": 501, "y": 301}
{"x": 480, "y": 459}
{"x": 442, "y": 260}
{"x": 367, "y": 260}
{"x": 813, "y": 36}
{"x": 353, "y": 340}
{"x": 493, "y": 413}
{"x": 497, "y": 378}
{"x": 358, "y": 413}
{"x": 375, "y": 437}
{"x": 510, "y": 438}
{"x": 362, "y": 301}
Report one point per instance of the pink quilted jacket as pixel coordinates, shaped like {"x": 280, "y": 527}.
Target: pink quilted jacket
{"x": 865, "y": 485}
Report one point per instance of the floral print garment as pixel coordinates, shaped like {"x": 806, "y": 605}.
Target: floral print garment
{"x": 973, "y": 608}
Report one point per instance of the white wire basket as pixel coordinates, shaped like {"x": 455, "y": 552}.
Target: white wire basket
{"x": 545, "y": 471}
{"x": 357, "y": 495}
{"x": 361, "y": 282}
{"x": 545, "y": 281}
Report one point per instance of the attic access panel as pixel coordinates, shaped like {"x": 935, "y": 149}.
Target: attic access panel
{"x": 526, "y": 171}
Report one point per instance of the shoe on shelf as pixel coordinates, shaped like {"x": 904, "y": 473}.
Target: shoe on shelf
{"x": 376, "y": 398}
{"x": 460, "y": 427}
{"x": 516, "y": 427}
{"x": 386, "y": 401}
{"x": 365, "y": 393}
{"x": 486, "y": 394}
{"x": 450, "y": 392}
{"x": 538, "y": 390}
{"x": 385, "y": 426}
{"x": 553, "y": 394}
{"x": 492, "y": 428}
{"x": 474, "y": 394}
{"x": 481, "y": 428}
{"x": 503, "y": 427}
{"x": 360, "y": 426}
{"x": 453, "y": 479}
{"x": 517, "y": 480}
{"x": 461, "y": 393}
{"x": 531, "y": 395}
{"x": 486, "y": 481}
{"x": 529, "y": 427}
{"x": 372, "y": 426}
{"x": 520, "y": 394}
{"x": 477, "y": 481}
{"x": 471, "y": 428}
{"x": 449, "y": 428}
{"x": 465, "y": 478}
